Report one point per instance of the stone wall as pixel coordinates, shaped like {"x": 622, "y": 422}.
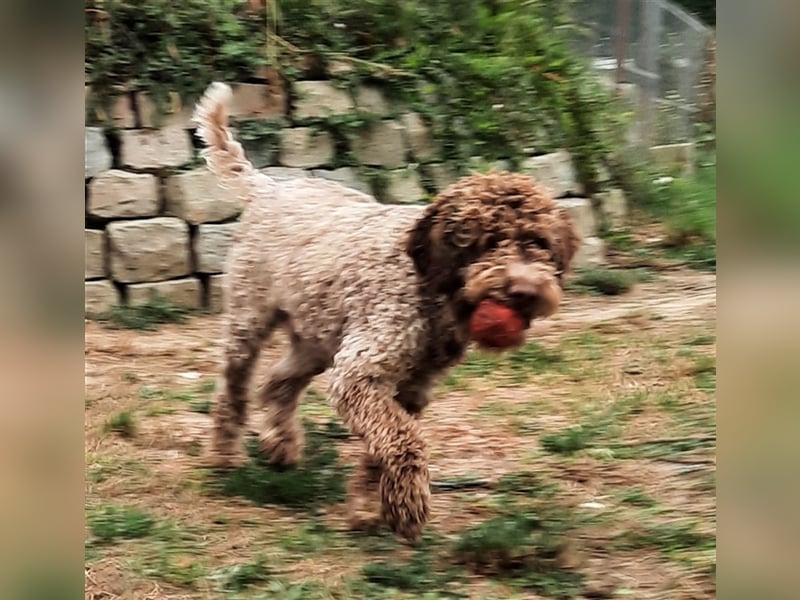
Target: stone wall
{"x": 156, "y": 221}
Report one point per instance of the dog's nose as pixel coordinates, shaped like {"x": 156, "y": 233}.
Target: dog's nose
{"x": 535, "y": 283}
{"x": 528, "y": 279}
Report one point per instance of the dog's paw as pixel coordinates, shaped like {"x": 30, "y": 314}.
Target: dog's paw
{"x": 227, "y": 461}
{"x": 281, "y": 448}
{"x": 405, "y": 500}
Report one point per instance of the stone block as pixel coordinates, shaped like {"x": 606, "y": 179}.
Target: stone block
{"x": 216, "y": 293}
{"x": 418, "y": 137}
{"x": 155, "y": 149}
{"x": 613, "y": 207}
{"x": 96, "y": 155}
{"x": 582, "y": 213}
{"x": 285, "y": 173}
{"x": 306, "y": 148}
{"x": 404, "y": 187}
{"x": 555, "y": 171}
{"x": 94, "y": 264}
{"x": 149, "y": 249}
{"x": 676, "y": 157}
{"x": 370, "y": 99}
{"x": 181, "y": 292}
{"x": 319, "y": 99}
{"x": 347, "y": 176}
{"x": 122, "y": 114}
{"x": 258, "y": 100}
{"x": 196, "y": 196}
{"x": 121, "y": 194}
{"x": 176, "y": 115}
{"x": 440, "y": 175}
{"x": 592, "y": 253}
{"x": 99, "y": 297}
{"x": 340, "y": 67}
{"x": 381, "y": 145}
{"x": 211, "y": 245}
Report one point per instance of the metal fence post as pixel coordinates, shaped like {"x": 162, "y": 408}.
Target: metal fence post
{"x": 649, "y": 52}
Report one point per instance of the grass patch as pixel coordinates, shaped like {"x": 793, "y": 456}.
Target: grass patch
{"x": 113, "y": 522}
{"x": 687, "y": 207}
{"x": 608, "y": 282}
{"x": 511, "y": 368}
{"x": 703, "y": 339}
{"x": 637, "y": 497}
{"x": 201, "y": 405}
{"x": 670, "y": 538}
{"x": 236, "y": 578}
{"x": 665, "y": 448}
{"x": 596, "y": 425}
{"x": 570, "y": 440}
{"x": 318, "y": 480}
{"x": 308, "y": 538}
{"x": 123, "y": 424}
{"x": 145, "y": 317}
{"x": 704, "y": 372}
{"x": 531, "y": 359}
{"x": 525, "y": 547}
{"x": 528, "y": 484}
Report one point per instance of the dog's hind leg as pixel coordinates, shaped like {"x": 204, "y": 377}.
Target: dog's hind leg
{"x": 281, "y": 438}
{"x": 243, "y": 335}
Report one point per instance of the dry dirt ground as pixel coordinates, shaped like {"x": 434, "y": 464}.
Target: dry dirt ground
{"x": 608, "y": 414}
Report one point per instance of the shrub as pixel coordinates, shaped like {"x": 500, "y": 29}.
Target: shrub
{"x": 609, "y": 282}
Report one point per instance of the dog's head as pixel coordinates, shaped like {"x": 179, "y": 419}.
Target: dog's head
{"x": 498, "y": 236}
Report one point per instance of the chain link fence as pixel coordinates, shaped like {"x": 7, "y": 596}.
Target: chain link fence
{"x": 653, "y": 53}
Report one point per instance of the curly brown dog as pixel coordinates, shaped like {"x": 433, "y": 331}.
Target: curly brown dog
{"x": 380, "y": 295}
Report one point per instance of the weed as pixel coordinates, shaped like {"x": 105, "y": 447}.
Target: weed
{"x": 417, "y": 575}
{"x": 526, "y": 483}
{"x": 609, "y": 282}
{"x": 532, "y": 358}
{"x": 702, "y": 339}
{"x": 130, "y": 377}
{"x": 201, "y": 405}
{"x": 115, "y": 522}
{"x": 526, "y": 547}
{"x": 174, "y": 565}
{"x": 123, "y": 424}
{"x": 310, "y": 537}
{"x": 318, "y": 480}
{"x": 569, "y": 441}
{"x": 207, "y": 387}
{"x": 235, "y": 578}
{"x": 145, "y": 317}
{"x": 669, "y": 538}
{"x": 637, "y": 497}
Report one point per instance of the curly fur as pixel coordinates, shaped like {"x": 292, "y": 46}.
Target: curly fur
{"x": 380, "y": 295}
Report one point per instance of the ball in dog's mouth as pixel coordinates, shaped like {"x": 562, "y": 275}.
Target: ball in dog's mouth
{"x": 497, "y": 326}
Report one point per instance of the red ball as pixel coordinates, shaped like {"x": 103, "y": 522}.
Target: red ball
{"x": 494, "y": 325}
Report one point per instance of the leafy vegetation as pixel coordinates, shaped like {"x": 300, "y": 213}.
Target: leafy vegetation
{"x": 123, "y": 424}
{"x": 145, "y": 317}
{"x": 610, "y": 282}
{"x": 494, "y": 79}
{"x": 113, "y": 522}
{"x": 317, "y": 481}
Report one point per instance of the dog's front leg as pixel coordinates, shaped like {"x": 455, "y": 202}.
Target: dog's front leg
{"x": 392, "y": 436}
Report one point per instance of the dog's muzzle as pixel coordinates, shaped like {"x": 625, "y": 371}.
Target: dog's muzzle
{"x": 533, "y": 289}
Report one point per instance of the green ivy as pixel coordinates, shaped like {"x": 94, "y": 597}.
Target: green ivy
{"x": 494, "y": 78}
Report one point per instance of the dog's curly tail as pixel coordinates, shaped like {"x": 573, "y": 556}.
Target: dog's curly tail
{"x": 224, "y": 156}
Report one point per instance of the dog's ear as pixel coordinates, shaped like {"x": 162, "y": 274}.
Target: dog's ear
{"x": 436, "y": 259}
{"x": 419, "y": 245}
{"x": 567, "y": 241}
